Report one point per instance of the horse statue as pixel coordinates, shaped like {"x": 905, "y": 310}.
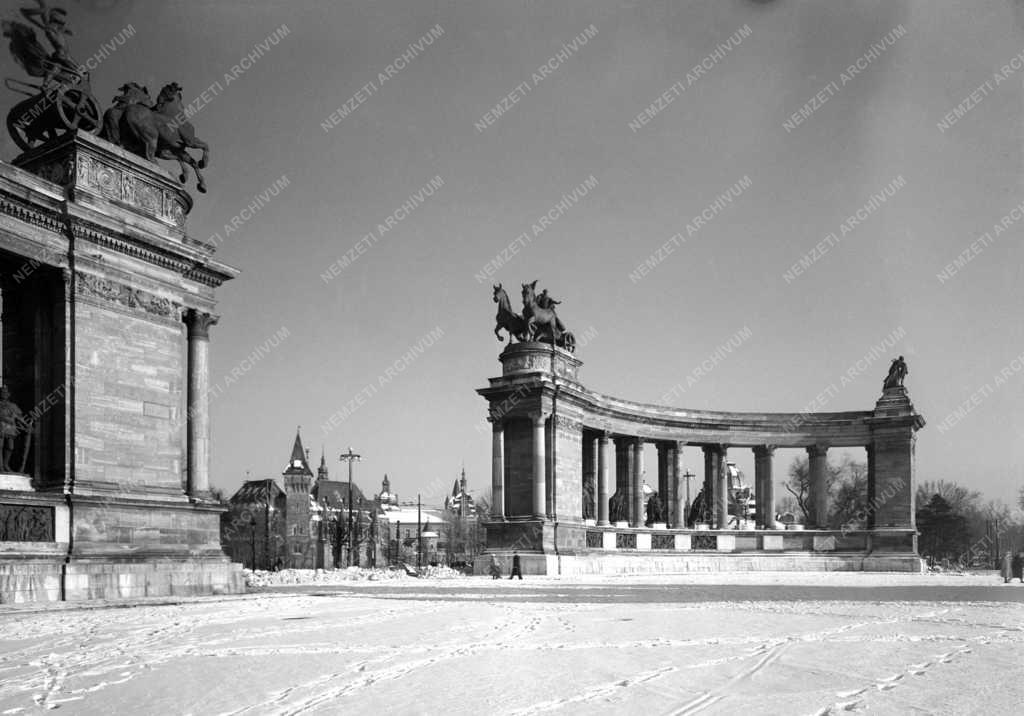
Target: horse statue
{"x": 161, "y": 132}
{"x": 507, "y": 318}
{"x": 542, "y": 323}
{"x": 131, "y": 93}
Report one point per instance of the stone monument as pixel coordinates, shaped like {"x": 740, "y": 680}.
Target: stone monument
{"x": 552, "y": 437}
{"x": 107, "y": 309}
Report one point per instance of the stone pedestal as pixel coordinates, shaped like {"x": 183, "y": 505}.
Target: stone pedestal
{"x": 97, "y": 258}
{"x": 891, "y": 477}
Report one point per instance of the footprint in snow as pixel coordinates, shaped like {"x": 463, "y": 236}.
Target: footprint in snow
{"x": 847, "y": 705}
{"x": 849, "y": 694}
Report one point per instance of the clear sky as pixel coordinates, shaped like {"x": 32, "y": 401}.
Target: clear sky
{"x": 862, "y": 131}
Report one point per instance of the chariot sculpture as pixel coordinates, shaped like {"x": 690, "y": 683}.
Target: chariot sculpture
{"x": 538, "y": 321}
{"x": 62, "y": 101}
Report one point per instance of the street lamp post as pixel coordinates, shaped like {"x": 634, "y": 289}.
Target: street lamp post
{"x": 686, "y": 512}
{"x": 252, "y": 535}
{"x": 350, "y": 457}
{"x": 266, "y": 529}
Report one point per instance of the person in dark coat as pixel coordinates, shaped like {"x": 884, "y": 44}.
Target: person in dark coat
{"x": 1006, "y": 571}
{"x": 1017, "y": 567}
{"x": 517, "y": 569}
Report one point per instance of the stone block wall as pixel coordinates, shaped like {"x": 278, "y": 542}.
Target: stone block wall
{"x": 892, "y": 500}
{"x": 518, "y": 467}
{"x": 129, "y": 426}
{"x": 568, "y": 445}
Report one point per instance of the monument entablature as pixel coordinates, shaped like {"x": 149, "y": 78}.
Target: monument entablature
{"x": 568, "y": 474}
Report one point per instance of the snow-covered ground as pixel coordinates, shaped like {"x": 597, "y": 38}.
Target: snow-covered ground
{"x": 726, "y": 643}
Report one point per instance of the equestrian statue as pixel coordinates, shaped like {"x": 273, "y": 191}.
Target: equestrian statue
{"x": 542, "y": 323}
{"x": 538, "y": 322}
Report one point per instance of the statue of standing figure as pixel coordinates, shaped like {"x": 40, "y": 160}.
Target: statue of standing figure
{"x": 897, "y": 372}
{"x": 12, "y": 423}
{"x": 655, "y": 509}
{"x": 618, "y": 510}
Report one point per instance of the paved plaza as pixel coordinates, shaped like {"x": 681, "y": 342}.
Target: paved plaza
{"x": 740, "y": 643}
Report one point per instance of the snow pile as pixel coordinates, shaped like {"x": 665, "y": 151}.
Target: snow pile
{"x": 262, "y": 578}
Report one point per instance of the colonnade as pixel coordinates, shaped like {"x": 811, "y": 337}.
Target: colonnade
{"x": 621, "y": 472}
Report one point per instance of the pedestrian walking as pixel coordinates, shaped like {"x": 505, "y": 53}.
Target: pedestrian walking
{"x": 1017, "y": 567}
{"x": 495, "y": 567}
{"x": 1006, "y": 572}
{"x": 517, "y": 569}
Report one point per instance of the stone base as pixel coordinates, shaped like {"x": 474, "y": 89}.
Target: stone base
{"x": 15, "y": 481}
{"x": 120, "y": 548}
{"x": 180, "y": 578}
{"x": 651, "y": 563}
{"x": 30, "y": 581}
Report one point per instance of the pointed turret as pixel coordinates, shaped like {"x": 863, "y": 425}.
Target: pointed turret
{"x": 298, "y": 464}
{"x": 321, "y": 472}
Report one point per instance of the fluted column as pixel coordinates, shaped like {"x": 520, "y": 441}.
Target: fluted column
{"x": 198, "y": 416}
{"x": 636, "y": 517}
{"x": 765, "y": 486}
{"x": 817, "y": 471}
{"x": 497, "y": 468}
{"x": 540, "y": 492}
{"x": 603, "y": 462}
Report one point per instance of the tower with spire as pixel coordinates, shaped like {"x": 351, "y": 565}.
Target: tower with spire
{"x": 298, "y": 480}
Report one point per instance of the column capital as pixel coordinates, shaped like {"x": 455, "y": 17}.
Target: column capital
{"x": 764, "y": 450}
{"x": 817, "y": 450}
{"x": 496, "y": 423}
{"x": 539, "y": 416}
{"x": 603, "y": 435}
{"x": 199, "y": 323}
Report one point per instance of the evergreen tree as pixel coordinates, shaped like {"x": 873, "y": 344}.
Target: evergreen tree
{"x": 943, "y": 531}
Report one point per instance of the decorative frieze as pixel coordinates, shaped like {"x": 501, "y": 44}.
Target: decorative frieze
{"x": 113, "y": 294}
{"x": 126, "y": 186}
{"x": 568, "y": 423}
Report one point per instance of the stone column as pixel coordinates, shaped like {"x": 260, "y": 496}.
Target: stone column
{"x": 817, "y": 474}
{"x": 722, "y": 490}
{"x": 680, "y": 516}
{"x": 870, "y": 521}
{"x": 497, "y": 468}
{"x": 540, "y": 463}
{"x": 198, "y": 415}
{"x": 594, "y": 450}
{"x": 636, "y": 517}
{"x": 603, "y": 462}
{"x": 765, "y": 486}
